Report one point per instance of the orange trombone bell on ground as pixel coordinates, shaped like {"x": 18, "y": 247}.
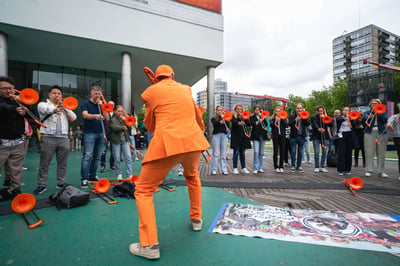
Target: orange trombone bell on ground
{"x": 304, "y": 114}
{"x": 228, "y": 116}
{"x": 70, "y": 103}
{"x": 246, "y": 114}
{"x": 354, "y": 115}
{"x": 283, "y": 114}
{"x": 264, "y": 114}
{"x": 326, "y": 119}
{"x": 24, "y": 203}
{"x": 101, "y": 187}
{"x": 354, "y": 183}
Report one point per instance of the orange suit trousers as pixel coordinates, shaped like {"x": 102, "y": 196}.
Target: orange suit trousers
{"x": 152, "y": 175}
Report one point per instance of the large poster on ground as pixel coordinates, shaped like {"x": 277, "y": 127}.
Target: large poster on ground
{"x": 369, "y": 231}
{"x": 213, "y": 5}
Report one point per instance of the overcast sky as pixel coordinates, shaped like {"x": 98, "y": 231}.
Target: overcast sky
{"x": 285, "y": 47}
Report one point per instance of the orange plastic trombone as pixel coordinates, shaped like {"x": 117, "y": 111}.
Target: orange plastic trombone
{"x": 228, "y": 116}
{"x": 28, "y": 96}
{"x": 24, "y": 203}
{"x": 70, "y": 103}
{"x": 283, "y": 114}
{"x": 150, "y": 75}
{"x": 246, "y": 114}
{"x": 304, "y": 114}
{"x": 354, "y": 183}
{"x": 101, "y": 187}
{"x": 326, "y": 119}
{"x": 201, "y": 109}
{"x": 354, "y": 115}
{"x": 264, "y": 114}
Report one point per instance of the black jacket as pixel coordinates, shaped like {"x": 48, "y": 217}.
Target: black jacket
{"x": 258, "y": 131}
{"x": 12, "y": 124}
{"x": 238, "y": 138}
{"x": 293, "y": 130}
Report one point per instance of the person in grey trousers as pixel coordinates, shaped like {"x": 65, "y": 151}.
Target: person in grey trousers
{"x": 54, "y": 138}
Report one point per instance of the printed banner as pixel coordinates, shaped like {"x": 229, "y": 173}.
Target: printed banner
{"x": 369, "y": 231}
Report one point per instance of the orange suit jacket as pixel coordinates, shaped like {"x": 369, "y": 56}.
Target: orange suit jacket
{"x": 175, "y": 120}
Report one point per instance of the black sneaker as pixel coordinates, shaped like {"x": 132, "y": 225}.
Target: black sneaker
{"x": 94, "y": 178}
{"x": 85, "y": 184}
{"x": 40, "y": 190}
{"x": 60, "y": 186}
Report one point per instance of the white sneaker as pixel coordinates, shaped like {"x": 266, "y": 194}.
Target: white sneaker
{"x": 136, "y": 159}
{"x": 316, "y": 170}
{"x": 119, "y": 176}
{"x": 152, "y": 252}
{"x": 180, "y": 173}
{"x": 340, "y": 173}
{"x": 245, "y": 171}
{"x": 225, "y": 173}
{"x": 255, "y": 172}
{"x": 214, "y": 172}
{"x": 261, "y": 171}
{"x": 281, "y": 170}
{"x": 383, "y": 175}
{"x": 367, "y": 174}
{"x": 277, "y": 170}
{"x": 235, "y": 171}
{"x": 197, "y": 225}
{"x": 324, "y": 170}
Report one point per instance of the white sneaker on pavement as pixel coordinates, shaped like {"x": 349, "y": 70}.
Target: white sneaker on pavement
{"x": 235, "y": 171}
{"x": 316, "y": 170}
{"x": 324, "y": 170}
{"x": 245, "y": 171}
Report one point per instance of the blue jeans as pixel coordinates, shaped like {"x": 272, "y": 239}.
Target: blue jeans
{"x": 317, "y": 144}
{"x": 132, "y": 139}
{"x": 218, "y": 144}
{"x": 258, "y": 146}
{"x": 123, "y": 147}
{"x": 236, "y": 153}
{"x": 93, "y": 146}
{"x": 299, "y": 142}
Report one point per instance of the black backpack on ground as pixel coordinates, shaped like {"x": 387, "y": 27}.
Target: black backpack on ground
{"x": 331, "y": 159}
{"x": 126, "y": 189}
{"x": 69, "y": 197}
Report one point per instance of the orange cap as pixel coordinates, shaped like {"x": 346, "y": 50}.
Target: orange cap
{"x": 164, "y": 70}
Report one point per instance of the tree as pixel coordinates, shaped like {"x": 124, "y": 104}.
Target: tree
{"x": 396, "y": 86}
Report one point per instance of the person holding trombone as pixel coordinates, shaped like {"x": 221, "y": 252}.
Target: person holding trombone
{"x": 120, "y": 142}
{"x": 55, "y": 138}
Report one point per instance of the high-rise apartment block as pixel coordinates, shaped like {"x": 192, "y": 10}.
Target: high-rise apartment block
{"x": 372, "y": 43}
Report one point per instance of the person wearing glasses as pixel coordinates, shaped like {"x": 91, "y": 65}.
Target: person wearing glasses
{"x": 12, "y": 141}
{"x": 375, "y": 139}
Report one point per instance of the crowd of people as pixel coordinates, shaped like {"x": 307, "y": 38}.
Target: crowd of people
{"x": 102, "y": 131}
{"x": 337, "y": 137}
{"x": 176, "y": 127}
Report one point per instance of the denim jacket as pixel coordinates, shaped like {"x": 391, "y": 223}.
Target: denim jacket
{"x": 46, "y": 108}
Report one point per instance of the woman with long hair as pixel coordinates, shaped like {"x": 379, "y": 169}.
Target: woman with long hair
{"x": 120, "y": 142}
{"x": 259, "y": 135}
{"x": 240, "y": 140}
{"x": 218, "y": 142}
{"x": 278, "y": 127}
{"x": 345, "y": 141}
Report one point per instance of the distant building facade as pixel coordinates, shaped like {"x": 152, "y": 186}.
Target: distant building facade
{"x": 366, "y": 81}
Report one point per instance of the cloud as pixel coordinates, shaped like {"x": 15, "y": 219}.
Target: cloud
{"x": 285, "y": 47}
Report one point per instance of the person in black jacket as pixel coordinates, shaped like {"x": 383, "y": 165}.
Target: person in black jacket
{"x": 278, "y": 127}
{"x": 297, "y": 137}
{"x": 320, "y": 139}
{"x": 259, "y": 135}
{"x": 240, "y": 139}
{"x": 12, "y": 147}
{"x": 218, "y": 142}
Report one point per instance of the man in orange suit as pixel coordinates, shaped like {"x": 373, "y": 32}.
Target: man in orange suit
{"x": 178, "y": 138}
